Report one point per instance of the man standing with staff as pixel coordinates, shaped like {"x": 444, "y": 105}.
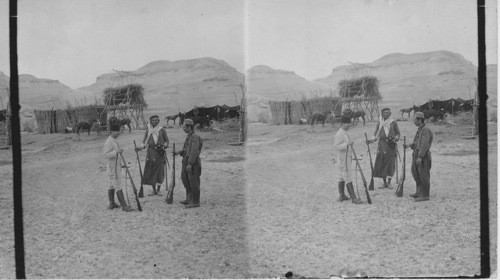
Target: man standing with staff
{"x": 387, "y": 132}
{"x": 421, "y": 158}
{"x": 191, "y": 165}
{"x": 156, "y": 141}
{"x": 111, "y": 151}
{"x": 342, "y": 144}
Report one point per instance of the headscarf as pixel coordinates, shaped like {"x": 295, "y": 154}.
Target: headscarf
{"x": 386, "y": 124}
{"x": 154, "y": 131}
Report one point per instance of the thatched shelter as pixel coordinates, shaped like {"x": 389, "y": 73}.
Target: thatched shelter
{"x": 290, "y": 112}
{"x": 364, "y": 86}
{"x": 55, "y": 121}
{"x": 126, "y": 102}
{"x": 128, "y": 94}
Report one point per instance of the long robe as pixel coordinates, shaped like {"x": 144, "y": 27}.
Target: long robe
{"x": 154, "y": 170}
{"x": 385, "y": 161}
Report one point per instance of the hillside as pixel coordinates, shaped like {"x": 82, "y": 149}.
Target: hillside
{"x": 415, "y": 78}
{"x": 173, "y": 85}
{"x": 265, "y": 84}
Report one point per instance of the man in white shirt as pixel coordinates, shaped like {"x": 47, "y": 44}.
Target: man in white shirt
{"x": 342, "y": 144}
{"x": 111, "y": 152}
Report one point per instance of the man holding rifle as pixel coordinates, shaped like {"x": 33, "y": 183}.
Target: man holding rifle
{"x": 343, "y": 144}
{"x": 156, "y": 141}
{"x": 421, "y": 158}
{"x": 111, "y": 152}
{"x": 387, "y": 132}
{"x": 191, "y": 165}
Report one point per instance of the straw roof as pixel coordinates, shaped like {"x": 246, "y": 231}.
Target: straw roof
{"x": 132, "y": 94}
{"x": 364, "y": 86}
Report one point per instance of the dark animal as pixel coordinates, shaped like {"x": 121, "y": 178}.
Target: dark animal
{"x": 406, "y": 111}
{"x": 121, "y": 123}
{"x": 356, "y": 115}
{"x": 318, "y": 117}
{"x": 90, "y": 125}
{"x": 172, "y": 118}
{"x": 435, "y": 114}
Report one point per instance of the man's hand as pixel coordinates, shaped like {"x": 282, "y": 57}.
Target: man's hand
{"x": 189, "y": 168}
{"x": 419, "y": 161}
{"x": 396, "y": 138}
{"x": 350, "y": 143}
{"x": 119, "y": 151}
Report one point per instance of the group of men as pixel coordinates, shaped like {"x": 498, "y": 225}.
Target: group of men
{"x": 156, "y": 142}
{"x": 387, "y": 134}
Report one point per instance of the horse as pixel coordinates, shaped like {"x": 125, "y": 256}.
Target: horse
{"x": 318, "y": 117}
{"x": 121, "y": 123}
{"x": 89, "y": 125}
{"x": 406, "y": 111}
{"x": 171, "y": 118}
{"x": 356, "y": 115}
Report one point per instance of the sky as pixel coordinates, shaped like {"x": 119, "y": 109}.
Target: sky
{"x": 74, "y": 41}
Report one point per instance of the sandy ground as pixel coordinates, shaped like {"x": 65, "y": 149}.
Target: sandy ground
{"x": 261, "y": 217}
{"x": 70, "y": 234}
{"x": 296, "y": 225}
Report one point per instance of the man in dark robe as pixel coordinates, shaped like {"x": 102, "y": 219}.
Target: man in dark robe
{"x": 156, "y": 142}
{"x": 387, "y": 133}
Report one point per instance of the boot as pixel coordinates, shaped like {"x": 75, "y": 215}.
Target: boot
{"x": 196, "y": 200}
{"x": 354, "y": 199}
{"x": 158, "y": 190}
{"x": 111, "y": 196}
{"x": 154, "y": 192}
{"x": 189, "y": 198}
{"x": 342, "y": 196}
{"x": 124, "y": 205}
{"x": 417, "y": 192}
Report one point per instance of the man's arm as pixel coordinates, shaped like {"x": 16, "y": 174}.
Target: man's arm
{"x": 339, "y": 143}
{"x": 425, "y": 142}
{"x": 195, "y": 149}
{"x": 109, "y": 151}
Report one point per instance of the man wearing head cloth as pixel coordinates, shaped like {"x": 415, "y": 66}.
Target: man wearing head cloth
{"x": 156, "y": 142}
{"x": 191, "y": 165}
{"x": 421, "y": 158}
{"x": 387, "y": 133}
{"x": 112, "y": 152}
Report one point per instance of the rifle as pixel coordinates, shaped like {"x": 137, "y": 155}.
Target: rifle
{"x": 399, "y": 189}
{"x": 132, "y": 183}
{"x": 141, "y": 190}
{"x": 371, "y": 188}
{"x": 362, "y": 177}
{"x": 170, "y": 193}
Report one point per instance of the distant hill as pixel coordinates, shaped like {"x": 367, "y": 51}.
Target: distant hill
{"x": 414, "y": 78}
{"x": 173, "y": 85}
{"x": 405, "y": 79}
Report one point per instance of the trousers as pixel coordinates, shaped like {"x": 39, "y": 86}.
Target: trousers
{"x": 191, "y": 179}
{"x": 422, "y": 174}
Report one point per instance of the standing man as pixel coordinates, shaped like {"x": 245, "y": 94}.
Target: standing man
{"x": 387, "y": 132}
{"x": 191, "y": 165}
{"x": 421, "y": 158}
{"x": 111, "y": 152}
{"x": 342, "y": 144}
{"x": 156, "y": 141}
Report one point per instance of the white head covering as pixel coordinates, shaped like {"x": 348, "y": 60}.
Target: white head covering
{"x": 153, "y": 131}
{"x": 386, "y": 124}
